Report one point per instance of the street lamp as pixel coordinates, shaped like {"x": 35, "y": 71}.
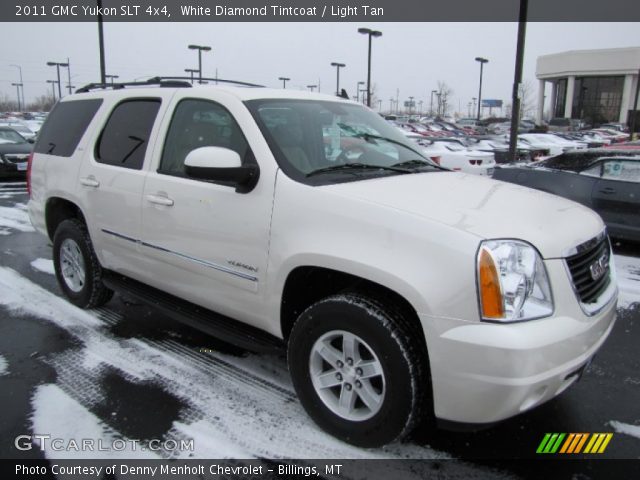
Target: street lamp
{"x": 410, "y": 105}
{"x": 20, "y": 69}
{"x": 358, "y": 91}
{"x": 58, "y": 65}
{"x": 439, "y": 95}
{"x": 53, "y": 87}
{"x": 311, "y": 87}
{"x": 391, "y": 105}
{"x": 284, "y": 81}
{"x": 18, "y": 85}
{"x": 370, "y": 33}
{"x": 338, "y": 67}
{"x": 474, "y": 104}
{"x": 379, "y": 105}
{"x": 112, "y": 77}
{"x": 190, "y": 71}
{"x": 200, "y": 48}
{"x": 420, "y": 103}
{"x": 482, "y": 62}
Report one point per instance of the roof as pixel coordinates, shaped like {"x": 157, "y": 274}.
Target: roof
{"x": 606, "y": 61}
{"x": 578, "y": 160}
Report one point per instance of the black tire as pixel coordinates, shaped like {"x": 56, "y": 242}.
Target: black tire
{"x": 395, "y": 342}
{"x": 92, "y": 292}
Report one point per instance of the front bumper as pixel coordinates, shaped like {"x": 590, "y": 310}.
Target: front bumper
{"x": 483, "y": 373}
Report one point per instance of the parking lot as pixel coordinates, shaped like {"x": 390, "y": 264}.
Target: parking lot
{"x": 124, "y": 371}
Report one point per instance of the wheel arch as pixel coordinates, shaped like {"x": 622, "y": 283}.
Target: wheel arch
{"x": 59, "y": 209}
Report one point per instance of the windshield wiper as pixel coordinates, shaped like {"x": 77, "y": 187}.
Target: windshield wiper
{"x": 356, "y": 166}
{"x": 415, "y": 163}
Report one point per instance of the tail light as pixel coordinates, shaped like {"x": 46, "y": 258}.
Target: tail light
{"x": 475, "y": 162}
{"x": 436, "y": 160}
{"x": 29, "y": 164}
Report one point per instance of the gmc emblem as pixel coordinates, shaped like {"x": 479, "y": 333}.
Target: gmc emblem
{"x": 599, "y": 267}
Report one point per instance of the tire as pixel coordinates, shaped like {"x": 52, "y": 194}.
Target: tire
{"x": 78, "y": 271}
{"x": 396, "y": 390}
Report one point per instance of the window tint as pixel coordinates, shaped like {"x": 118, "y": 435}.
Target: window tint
{"x": 624, "y": 170}
{"x": 65, "y": 126}
{"x": 124, "y": 139}
{"x": 200, "y": 123}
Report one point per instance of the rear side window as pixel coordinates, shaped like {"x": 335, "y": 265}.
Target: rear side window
{"x": 124, "y": 139}
{"x": 65, "y": 126}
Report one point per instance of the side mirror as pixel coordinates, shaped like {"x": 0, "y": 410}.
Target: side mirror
{"x": 31, "y": 140}
{"x": 220, "y": 164}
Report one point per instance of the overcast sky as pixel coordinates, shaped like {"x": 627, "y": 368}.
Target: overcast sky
{"x": 411, "y": 57}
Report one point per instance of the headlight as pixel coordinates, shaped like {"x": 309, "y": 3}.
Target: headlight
{"x": 512, "y": 282}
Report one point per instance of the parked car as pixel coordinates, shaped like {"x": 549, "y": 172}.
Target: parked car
{"x": 398, "y": 288}
{"x": 452, "y": 154}
{"x": 547, "y": 141}
{"x": 607, "y": 181}
{"x": 14, "y": 152}
{"x": 561, "y": 124}
{"x": 22, "y": 129}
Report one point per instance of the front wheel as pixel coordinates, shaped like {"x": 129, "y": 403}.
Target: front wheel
{"x": 77, "y": 268}
{"x": 358, "y": 369}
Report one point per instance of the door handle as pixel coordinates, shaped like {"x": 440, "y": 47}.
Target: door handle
{"x": 160, "y": 200}
{"x": 608, "y": 190}
{"x": 90, "y": 182}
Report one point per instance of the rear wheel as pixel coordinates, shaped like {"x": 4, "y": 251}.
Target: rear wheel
{"x": 359, "y": 369}
{"x": 77, "y": 268}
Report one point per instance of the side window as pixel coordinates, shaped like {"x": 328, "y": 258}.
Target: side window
{"x": 593, "y": 170}
{"x": 65, "y": 126}
{"x": 125, "y": 137}
{"x": 200, "y": 123}
{"x": 623, "y": 170}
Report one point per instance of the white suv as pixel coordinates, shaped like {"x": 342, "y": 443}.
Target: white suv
{"x": 401, "y": 290}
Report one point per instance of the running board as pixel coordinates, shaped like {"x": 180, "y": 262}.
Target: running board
{"x": 207, "y": 321}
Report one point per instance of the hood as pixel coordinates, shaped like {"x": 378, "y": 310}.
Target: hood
{"x": 15, "y": 148}
{"x": 482, "y": 207}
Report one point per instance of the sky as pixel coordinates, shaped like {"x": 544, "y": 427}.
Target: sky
{"x": 408, "y": 60}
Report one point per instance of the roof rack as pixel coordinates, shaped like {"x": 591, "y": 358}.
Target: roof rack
{"x": 170, "y": 82}
{"x": 161, "y": 81}
{"x": 214, "y": 80}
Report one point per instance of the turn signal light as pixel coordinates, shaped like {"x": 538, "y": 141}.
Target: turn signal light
{"x": 490, "y": 294}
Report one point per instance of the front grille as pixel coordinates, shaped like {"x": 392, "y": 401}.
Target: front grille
{"x": 590, "y": 270}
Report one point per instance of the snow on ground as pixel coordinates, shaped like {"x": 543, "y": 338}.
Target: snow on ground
{"x": 43, "y": 265}
{"x": 228, "y": 410}
{"x": 628, "y": 271}
{"x": 619, "y": 427}
{"x": 15, "y": 218}
{"x": 3, "y": 366}
{"x": 57, "y": 414}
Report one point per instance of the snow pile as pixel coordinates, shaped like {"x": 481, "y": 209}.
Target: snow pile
{"x": 619, "y": 427}
{"x": 15, "y": 218}
{"x": 3, "y": 366}
{"x": 59, "y": 415}
{"x": 628, "y": 271}
{"x": 43, "y": 265}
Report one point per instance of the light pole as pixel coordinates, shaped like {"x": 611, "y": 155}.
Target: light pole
{"x": 391, "y": 105}
{"x": 338, "y": 67}
{"x": 58, "y": 65}
{"x": 370, "y": 33}
{"x": 379, "y": 105}
{"x": 311, "y": 87}
{"x": 191, "y": 71}
{"x": 18, "y": 85}
{"x": 431, "y": 103}
{"x": 21, "y": 82}
{"x": 284, "y": 81}
{"x": 200, "y": 48}
{"x": 420, "y": 103}
{"x": 482, "y": 62}
{"x": 439, "y": 95}
{"x": 474, "y": 104}
{"x": 410, "y": 105}
{"x": 112, "y": 77}
{"x": 53, "y": 88}
{"x": 358, "y": 91}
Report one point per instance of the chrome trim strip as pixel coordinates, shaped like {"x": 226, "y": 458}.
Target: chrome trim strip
{"x": 569, "y": 252}
{"x": 199, "y": 261}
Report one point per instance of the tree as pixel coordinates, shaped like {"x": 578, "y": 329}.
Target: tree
{"x": 6, "y": 104}
{"x": 43, "y": 103}
{"x": 528, "y": 100}
{"x": 444, "y": 94}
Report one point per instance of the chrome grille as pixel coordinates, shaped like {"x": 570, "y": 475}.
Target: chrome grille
{"x": 590, "y": 270}
{"x": 16, "y": 157}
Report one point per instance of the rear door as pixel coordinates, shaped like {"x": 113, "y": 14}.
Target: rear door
{"x": 616, "y": 196}
{"x": 111, "y": 179}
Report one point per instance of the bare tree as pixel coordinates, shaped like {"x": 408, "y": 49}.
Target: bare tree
{"x": 43, "y": 103}
{"x": 6, "y": 104}
{"x": 444, "y": 94}
{"x": 528, "y": 100}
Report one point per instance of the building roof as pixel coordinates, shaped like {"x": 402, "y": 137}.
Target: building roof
{"x": 608, "y": 61}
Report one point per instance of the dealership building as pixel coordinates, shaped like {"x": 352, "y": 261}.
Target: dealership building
{"x": 597, "y": 86}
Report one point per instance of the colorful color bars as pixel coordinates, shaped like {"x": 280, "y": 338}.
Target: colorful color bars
{"x": 574, "y": 443}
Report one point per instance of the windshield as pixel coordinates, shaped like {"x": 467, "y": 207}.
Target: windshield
{"x": 308, "y": 137}
{"x": 11, "y": 135}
